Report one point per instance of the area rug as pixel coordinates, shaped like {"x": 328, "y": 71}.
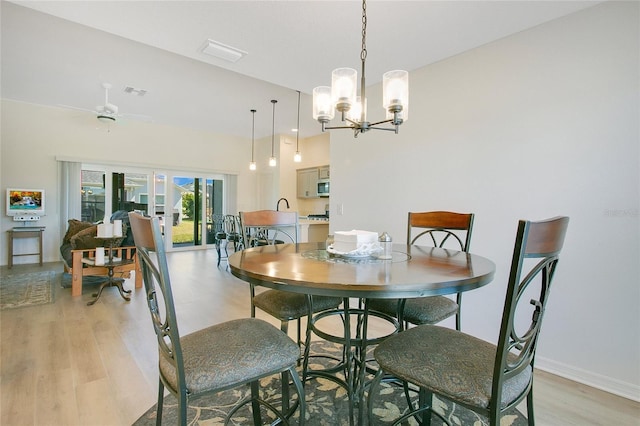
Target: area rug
{"x": 27, "y": 289}
{"x": 327, "y": 404}
{"x": 65, "y": 280}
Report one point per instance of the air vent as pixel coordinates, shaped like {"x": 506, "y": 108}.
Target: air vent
{"x": 134, "y": 91}
{"x": 222, "y": 51}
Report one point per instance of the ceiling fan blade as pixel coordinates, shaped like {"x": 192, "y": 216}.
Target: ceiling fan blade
{"x": 77, "y": 108}
{"x": 137, "y": 117}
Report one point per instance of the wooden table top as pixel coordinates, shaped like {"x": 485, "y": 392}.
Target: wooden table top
{"x": 414, "y": 271}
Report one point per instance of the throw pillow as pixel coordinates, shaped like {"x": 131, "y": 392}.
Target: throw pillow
{"x": 86, "y": 239}
{"x": 75, "y": 226}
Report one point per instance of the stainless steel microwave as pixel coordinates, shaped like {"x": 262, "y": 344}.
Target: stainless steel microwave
{"x": 323, "y": 188}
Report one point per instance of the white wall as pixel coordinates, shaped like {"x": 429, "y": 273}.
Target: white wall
{"x": 539, "y": 124}
{"x": 33, "y": 136}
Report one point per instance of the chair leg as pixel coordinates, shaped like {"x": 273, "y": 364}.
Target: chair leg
{"x": 284, "y": 326}
{"x": 307, "y": 349}
{"x": 252, "y": 294}
{"x": 160, "y": 403}
{"x": 372, "y": 391}
{"x": 301, "y": 395}
{"x": 182, "y": 406}
{"x": 459, "y": 313}
{"x": 218, "y": 250}
{"x": 255, "y": 403}
{"x": 530, "y": 417}
{"x": 426, "y": 398}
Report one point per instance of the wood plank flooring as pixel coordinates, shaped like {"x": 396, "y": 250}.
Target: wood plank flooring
{"x": 67, "y": 363}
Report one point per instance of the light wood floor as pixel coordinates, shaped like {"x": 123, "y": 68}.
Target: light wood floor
{"x": 71, "y": 364}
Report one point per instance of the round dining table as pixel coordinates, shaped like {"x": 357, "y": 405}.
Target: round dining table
{"x": 307, "y": 268}
{"x": 413, "y": 271}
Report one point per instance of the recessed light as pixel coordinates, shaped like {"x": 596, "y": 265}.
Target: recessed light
{"x": 222, "y": 51}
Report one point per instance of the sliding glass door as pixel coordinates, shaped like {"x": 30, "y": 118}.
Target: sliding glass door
{"x": 184, "y": 202}
{"x": 196, "y": 200}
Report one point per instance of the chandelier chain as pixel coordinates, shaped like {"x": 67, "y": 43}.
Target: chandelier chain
{"x": 363, "y": 52}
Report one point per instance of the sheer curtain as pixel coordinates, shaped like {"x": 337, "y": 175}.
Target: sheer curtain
{"x": 70, "y": 192}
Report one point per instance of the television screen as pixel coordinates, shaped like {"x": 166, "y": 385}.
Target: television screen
{"x": 25, "y": 202}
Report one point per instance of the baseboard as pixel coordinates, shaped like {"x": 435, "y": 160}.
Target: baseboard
{"x": 598, "y": 381}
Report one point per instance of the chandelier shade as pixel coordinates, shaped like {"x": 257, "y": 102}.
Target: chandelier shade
{"x": 344, "y": 88}
{"x": 395, "y": 93}
{"x": 355, "y": 113}
{"x": 323, "y": 109}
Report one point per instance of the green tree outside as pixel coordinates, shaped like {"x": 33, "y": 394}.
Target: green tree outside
{"x": 188, "y": 205}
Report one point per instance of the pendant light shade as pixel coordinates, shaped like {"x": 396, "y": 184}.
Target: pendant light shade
{"x": 297, "y": 156}
{"x": 252, "y": 164}
{"x": 272, "y": 159}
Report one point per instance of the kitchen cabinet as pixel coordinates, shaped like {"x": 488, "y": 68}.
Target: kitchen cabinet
{"x": 323, "y": 172}
{"x": 318, "y": 232}
{"x": 307, "y": 180}
{"x": 313, "y": 231}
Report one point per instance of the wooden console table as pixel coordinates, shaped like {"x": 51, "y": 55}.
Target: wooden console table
{"x": 25, "y": 232}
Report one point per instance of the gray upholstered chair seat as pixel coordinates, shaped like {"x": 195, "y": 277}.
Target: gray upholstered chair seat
{"x": 286, "y": 306}
{"x": 449, "y": 363}
{"x": 233, "y": 352}
{"x": 423, "y": 310}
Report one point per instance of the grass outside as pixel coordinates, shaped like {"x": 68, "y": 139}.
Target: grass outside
{"x": 183, "y": 232}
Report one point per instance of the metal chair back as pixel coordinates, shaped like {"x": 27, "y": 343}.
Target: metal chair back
{"x": 157, "y": 284}
{"x": 267, "y": 227}
{"x": 438, "y": 228}
{"x": 535, "y": 257}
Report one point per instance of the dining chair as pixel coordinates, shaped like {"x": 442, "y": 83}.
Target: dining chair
{"x": 232, "y": 230}
{"x": 219, "y": 235}
{"x": 268, "y": 227}
{"x": 485, "y": 378}
{"x": 437, "y": 229}
{"x": 220, "y": 357}
{"x": 227, "y": 231}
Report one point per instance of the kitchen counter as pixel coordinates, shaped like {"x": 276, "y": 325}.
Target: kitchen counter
{"x": 312, "y": 222}
{"x": 313, "y": 231}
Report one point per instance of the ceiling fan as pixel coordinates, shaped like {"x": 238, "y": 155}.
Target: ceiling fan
{"x": 108, "y": 112}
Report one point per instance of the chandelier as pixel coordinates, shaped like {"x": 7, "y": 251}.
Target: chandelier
{"x": 342, "y": 96}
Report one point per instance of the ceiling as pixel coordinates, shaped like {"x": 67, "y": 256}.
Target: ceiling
{"x": 60, "y": 52}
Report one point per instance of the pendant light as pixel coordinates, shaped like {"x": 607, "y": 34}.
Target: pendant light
{"x": 272, "y": 159}
{"x": 252, "y": 164}
{"x": 297, "y": 157}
